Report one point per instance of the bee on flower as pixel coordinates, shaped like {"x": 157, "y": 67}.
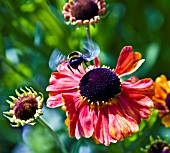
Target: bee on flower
{"x": 75, "y": 58}
{"x": 24, "y": 108}
{"x": 98, "y": 103}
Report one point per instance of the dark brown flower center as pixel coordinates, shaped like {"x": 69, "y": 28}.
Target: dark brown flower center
{"x": 167, "y": 100}
{"x": 84, "y": 9}
{"x": 159, "y": 147}
{"x": 100, "y": 84}
{"x": 25, "y": 108}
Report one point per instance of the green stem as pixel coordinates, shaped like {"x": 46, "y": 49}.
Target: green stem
{"x": 146, "y": 132}
{"x": 55, "y": 136}
{"x": 88, "y": 33}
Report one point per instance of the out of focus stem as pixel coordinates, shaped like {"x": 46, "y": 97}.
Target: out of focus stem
{"x": 88, "y": 33}
{"x": 14, "y": 68}
{"x": 55, "y": 136}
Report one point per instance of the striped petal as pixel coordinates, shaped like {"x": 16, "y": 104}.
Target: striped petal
{"x": 102, "y": 133}
{"x": 128, "y": 61}
{"x": 144, "y": 86}
{"x": 120, "y": 124}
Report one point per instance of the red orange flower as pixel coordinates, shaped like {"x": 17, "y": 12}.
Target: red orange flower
{"x": 84, "y": 11}
{"x": 98, "y": 103}
{"x": 162, "y": 99}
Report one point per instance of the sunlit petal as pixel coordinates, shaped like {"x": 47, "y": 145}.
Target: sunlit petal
{"x": 128, "y": 61}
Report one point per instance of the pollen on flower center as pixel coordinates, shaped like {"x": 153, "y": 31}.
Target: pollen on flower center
{"x": 25, "y": 108}
{"x": 167, "y": 100}
{"x": 100, "y": 84}
{"x": 84, "y": 9}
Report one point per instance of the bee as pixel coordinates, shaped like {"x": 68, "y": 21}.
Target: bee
{"x": 89, "y": 48}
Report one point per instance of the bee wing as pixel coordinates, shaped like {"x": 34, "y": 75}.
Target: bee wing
{"x": 55, "y": 59}
{"x": 91, "y": 50}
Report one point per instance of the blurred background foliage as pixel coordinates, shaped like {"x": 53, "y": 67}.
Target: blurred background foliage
{"x": 31, "y": 29}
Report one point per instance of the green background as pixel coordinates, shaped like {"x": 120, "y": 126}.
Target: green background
{"x": 31, "y": 29}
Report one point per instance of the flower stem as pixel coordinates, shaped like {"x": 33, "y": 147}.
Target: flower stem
{"x": 55, "y": 136}
{"x": 88, "y": 33}
{"x": 89, "y": 37}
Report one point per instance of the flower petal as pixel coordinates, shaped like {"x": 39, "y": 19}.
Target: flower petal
{"x": 63, "y": 68}
{"x": 101, "y": 132}
{"x": 136, "y": 105}
{"x": 96, "y": 62}
{"x": 86, "y": 121}
{"x": 165, "y": 120}
{"x": 141, "y": 100}
{"x": 78, "y": 131}
{"x": 162, "y": 88}
{"x": 120, "y": 124}
{"x": 75, "y": 108}
{"x": 72, "y": 102}
{"x": 128, "y": 61}
{"x": 54, "y": 101}
{"x": 62, "y": 82}
{"x": 160, "y": 105}
{"x": 144, "y": 86}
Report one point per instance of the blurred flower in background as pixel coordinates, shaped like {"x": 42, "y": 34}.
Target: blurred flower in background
{"x": 157, "y": 146}
{"x": 162, "y": 99}
{"x": 84, "y": 11}
{"x": 98, "y": 103}
{"x": 25, "y": 108}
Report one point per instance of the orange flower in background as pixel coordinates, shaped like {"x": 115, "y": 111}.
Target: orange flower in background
{"x": 84, "y": 11}
{"x": 162, "y": 99}
{"x": 98, "y": 103}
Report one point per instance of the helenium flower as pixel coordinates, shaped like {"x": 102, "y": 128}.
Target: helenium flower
{"x": 98, "y": 102}
{"x": 24, "y": 108}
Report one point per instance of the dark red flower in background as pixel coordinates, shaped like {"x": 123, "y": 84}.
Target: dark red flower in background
{"x": 84, "y": 11}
